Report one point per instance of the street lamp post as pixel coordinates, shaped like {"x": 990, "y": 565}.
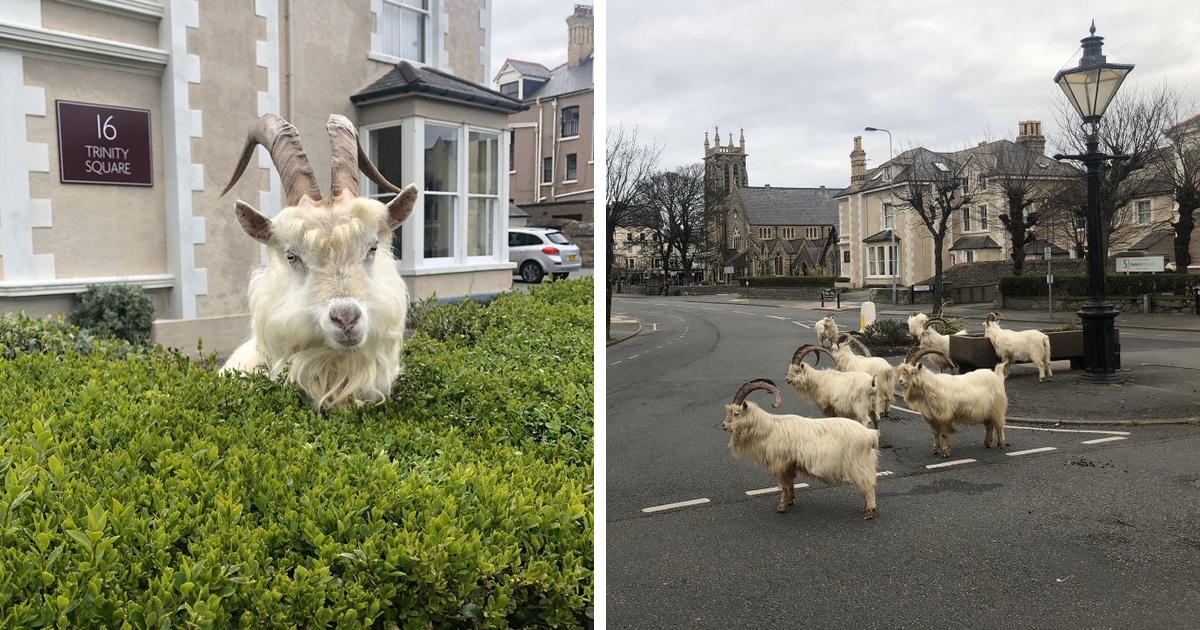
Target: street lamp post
{"x": 1090, "y": 87}
{"x": 892, "y": 253}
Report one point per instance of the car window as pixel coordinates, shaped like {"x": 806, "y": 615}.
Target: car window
{"x": 514, "y": 239}
{"x": 557, "y": 238}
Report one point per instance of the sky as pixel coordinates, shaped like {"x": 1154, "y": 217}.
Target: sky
{"x": 803, "y": 78}
{"x": 529, "y": 30}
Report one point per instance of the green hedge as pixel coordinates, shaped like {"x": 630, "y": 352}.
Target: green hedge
{"x": 790, "y": 281}
{"x": 141, "y": 489}
{"x": 1128, "y": 285}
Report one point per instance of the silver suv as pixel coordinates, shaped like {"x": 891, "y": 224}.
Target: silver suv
{"x": 540, "y": 251}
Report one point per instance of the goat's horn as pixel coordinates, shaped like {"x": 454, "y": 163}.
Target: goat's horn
{"x": 343, "y": 163}
{"x": 935, "y": 320}
{"x": 756, "y": 384}
{"x": 855, "y": 340}
{"x": 401, "y": 206}
{"x": 914, "y": 357}
{"x": 282, "y": 142}
{"x": 798, "y": 356}
{"x": 991, "y": 317}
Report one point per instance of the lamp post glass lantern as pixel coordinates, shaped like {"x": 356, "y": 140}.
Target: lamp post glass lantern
{"x": 893, "y": 263}
{"x": 1090, "y": 87}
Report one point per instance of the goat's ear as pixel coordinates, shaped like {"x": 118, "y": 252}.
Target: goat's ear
{"x": 402, "y": 206}
{"x": 253, "y": 222}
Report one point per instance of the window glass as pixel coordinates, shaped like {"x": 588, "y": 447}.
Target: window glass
{"x": 483, "y": 175}
{"x": 571, "y": 168}
{"x": 386, "y": 154}
{"x": 558, "y": 238}
{"x": 441, "y": 189}
{"x": 439, "y": 223}
{"x": 402, "y": 26}
{"x": 570, "y": 121}
{"x": 547, "y": 170}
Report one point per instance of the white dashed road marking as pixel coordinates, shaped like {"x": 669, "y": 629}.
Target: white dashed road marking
{"x": 1097, "y": 432}
{"x": 776, "y": 317}
{"x": 1101, "y": 440}
{"x": 672, "y": 506}
{"x": 954, "y": 462}
{"x": 1031, "y": 451}
{"x": 761, "y": 491}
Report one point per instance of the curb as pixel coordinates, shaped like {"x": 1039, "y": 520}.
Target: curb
{"x": 619, "y": 340}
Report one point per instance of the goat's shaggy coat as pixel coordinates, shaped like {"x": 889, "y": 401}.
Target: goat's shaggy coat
{"x": 884, "y": 373}
{"x": 1019, "y": 345}
{"x": 944, "y": 400}
{"x": 832, "y": 450}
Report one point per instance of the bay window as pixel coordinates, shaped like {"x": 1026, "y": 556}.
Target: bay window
{"x": 881, "y": 261}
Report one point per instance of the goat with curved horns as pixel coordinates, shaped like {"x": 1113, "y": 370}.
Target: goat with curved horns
{"x": 329, "y": 305}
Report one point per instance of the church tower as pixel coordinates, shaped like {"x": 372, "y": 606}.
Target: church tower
{"x": 724, "y": 172}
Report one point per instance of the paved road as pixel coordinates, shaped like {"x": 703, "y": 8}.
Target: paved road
{"x": 1080, "y": 526}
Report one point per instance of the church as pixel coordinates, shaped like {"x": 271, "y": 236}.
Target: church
{"x": 765, "y": 230}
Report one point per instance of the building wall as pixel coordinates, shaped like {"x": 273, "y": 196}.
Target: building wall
{"x": 205, "y": 71}
{"x": 537, "y": 136}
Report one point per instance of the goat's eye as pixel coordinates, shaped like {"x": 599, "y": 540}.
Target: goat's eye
{"x": 371, "y": 253}
{"x": 292, "y": 258}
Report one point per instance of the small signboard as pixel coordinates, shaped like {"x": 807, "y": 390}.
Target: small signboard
{"x": 922, "y": 287}
{"x": 101, "y": 144}
{"x": 1141, "y": 264}
{"x": 828, "y": 294}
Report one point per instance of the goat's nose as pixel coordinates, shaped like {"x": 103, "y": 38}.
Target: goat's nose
{"x": 345, "y": 316}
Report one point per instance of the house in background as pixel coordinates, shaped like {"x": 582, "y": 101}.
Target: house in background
{"x": 551, "y": 147}
{"x": 153, "y": 100}
{"x": 881, "y": 238}
{"x": 765, "y": 230}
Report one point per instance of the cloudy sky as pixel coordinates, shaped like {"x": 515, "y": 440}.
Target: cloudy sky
{"x": 529, "y": 30}
{"x": 804, "y": 78}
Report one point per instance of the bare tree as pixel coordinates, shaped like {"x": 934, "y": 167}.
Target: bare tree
{"x": 1178, "y": 167}
{"x": 1062, "y": 216}
{"x": 1026, "y": 179}
{"x": 934, "y": 187}
{"x": 628, "y": 163}
{"x": 674, "y": 208}
{"x": 1132, "y": 127}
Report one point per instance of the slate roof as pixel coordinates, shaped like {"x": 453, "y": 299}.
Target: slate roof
{"x": 565, "y": 80}
{"x": 1038, "y": 246}
{"x": 1150, "y": 240}
{"x": 515, "y": 212}
{"x": 884, "y": 236}
{"x": 981, "y": 241}
{"x": 770, "y": 205}
{"x": 404, "y": 79}
{"x": 529, "y": 69}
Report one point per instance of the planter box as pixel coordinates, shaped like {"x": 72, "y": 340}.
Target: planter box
{"x": 971, "y": 352}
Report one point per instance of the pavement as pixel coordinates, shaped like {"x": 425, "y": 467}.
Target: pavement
{"x": 1165, "y": 390}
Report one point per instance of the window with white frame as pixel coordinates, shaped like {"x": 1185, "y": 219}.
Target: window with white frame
{"x": 441, "y": 189}
{"x": 889, "y": 216}
{"x": 386, "y": 152}
{"x": 881, "y": 261}
{"x": 966, "y": 219}
{"x": 981, "y": 182}
{"x": 547, "y": 170}
{"x": 570, "y": 122}
{"x": 970, "y": 255}
{"x": 1141, "y": 214}
{"x": 404, "y": 29}
{"x": 512, "y": 150}
{"x": 982, "y": 221}
{"x": 483, "y": 191}
{"x": 571, "y": 168}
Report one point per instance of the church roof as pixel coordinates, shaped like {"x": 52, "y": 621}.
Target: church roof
{"x": 769, "y": 205}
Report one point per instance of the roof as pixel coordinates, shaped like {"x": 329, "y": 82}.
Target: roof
{"x": 405, "y": 79}
{"x": 884, "y": 236}
{"x": 1150, "y": 240}
{"x": 981, "y": 241}
{"x": 1039, "y": 246}
{"x": 565, "y": 80}
{"x": 769, "y": 205}
{"x": 528, "y": 69}
{"x": 515, "y": 212}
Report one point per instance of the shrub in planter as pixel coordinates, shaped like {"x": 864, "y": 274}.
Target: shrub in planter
{"x": 123, "y": 311}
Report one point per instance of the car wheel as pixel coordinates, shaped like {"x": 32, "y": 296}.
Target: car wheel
{"x": 531, "y": 272}
{"x": 560, "y": 276}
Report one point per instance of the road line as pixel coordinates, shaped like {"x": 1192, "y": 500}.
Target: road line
{"x": 800, "y": 324}
{"x": 1101, "y": 440}
{"x": 761, "y": 491}
{"x": 743, "y": 313}
{"x": 1013, "y": 426}
{"x": 672, "y": 506}
{"x": 776, "y": 317}
{"x": 884, "y": 473}
{"x": 1031, "y": 451}
{"x": 955, "y": 462}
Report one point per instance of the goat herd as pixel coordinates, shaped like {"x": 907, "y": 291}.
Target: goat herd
{"x": 840, "y": 447}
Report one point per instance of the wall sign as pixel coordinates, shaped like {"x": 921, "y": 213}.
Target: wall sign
{"x": 100, "y": 144}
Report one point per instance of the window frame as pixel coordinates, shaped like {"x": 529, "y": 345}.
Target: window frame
{"x": 571, "y": 163}
{"x": 877, "y": 261}
{"x": 547, "y": 171}
{"x": 1138, "y": 218}
{"x": 428, "y": 33}
{"x": 563, "y": 121}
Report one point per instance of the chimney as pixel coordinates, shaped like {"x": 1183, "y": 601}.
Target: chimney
{"x": 858, "y": 164}
{"x": 580, "y": 28}
{"x": 1030, "y": 136}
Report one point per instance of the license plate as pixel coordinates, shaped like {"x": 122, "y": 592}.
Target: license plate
{"x": 570, "y": 257}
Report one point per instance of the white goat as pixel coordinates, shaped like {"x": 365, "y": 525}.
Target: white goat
{"x": 827, "y": 330}
{"x": 329, "y": 306}
{"x": 847, "y": 394}
{"x": 832, "y": 450}
{"x": 884, "y": 373}
{"x": 916, "y": 323}
{"x": 944, "y": 400}
{"x": 1019, "y": 345}
{"x": 929, "y": 337}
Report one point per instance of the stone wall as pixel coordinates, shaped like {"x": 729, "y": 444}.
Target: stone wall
{"x": 1171, "y": 304}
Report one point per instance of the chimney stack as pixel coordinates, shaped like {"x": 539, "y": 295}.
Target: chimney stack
{"x": 1030, "y": 136}
{"x": 858, "y": 164}
{"x": 580, "y": 30}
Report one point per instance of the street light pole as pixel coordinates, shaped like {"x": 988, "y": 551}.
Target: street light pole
{"x": 892, "y": 253}
{"x": 1090, "y": 87}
